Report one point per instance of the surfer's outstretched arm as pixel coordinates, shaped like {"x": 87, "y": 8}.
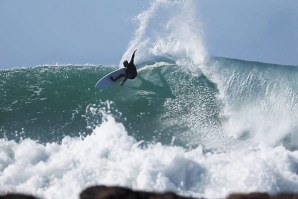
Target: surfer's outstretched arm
{"x": 133, "y": 56}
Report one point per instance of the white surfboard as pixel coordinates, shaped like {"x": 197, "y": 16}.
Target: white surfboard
{"x": 106, "y": 81}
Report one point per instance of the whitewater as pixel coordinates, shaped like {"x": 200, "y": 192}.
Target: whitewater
{"x": 190, "y": 123}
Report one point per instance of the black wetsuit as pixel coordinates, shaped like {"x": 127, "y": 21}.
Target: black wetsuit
{"x": 130, "y": 71}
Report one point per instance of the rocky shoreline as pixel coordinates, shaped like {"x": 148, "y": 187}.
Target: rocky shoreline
{"x": 105, "y": 192}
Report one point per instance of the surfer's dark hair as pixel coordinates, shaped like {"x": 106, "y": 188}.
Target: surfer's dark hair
{"x": 125, "y": 62}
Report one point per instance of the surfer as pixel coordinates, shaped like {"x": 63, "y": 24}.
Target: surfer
{"x": 130, "y": 70}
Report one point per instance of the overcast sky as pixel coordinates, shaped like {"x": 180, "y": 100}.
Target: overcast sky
{"x": 35, "y": 32}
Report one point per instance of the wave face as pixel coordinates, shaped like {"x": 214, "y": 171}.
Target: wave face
{"x": 194, "y": 125}
{"x": 47, "y": 103}
{"x": 231, "y": 128}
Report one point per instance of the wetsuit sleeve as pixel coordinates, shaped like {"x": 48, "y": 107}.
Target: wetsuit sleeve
{"x": 132, "y": 57}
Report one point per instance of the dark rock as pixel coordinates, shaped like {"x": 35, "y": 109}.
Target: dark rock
{"x": 103, "y": 192}
{"x": 285, "y": 196}
{"x": 17, "y": 196}
{"x": 249, "y": 196}
{"x": 263, "y": 196}
{"x": 114, "y": 192}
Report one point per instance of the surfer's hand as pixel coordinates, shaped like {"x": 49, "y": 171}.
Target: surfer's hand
{"x": 134, "y": 51}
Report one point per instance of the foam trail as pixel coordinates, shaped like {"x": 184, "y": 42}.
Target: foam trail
{"x": 168, "y": 28}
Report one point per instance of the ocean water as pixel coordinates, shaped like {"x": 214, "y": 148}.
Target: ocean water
{"x": 189, "y": 123}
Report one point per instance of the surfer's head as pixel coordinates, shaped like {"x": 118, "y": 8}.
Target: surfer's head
{"x": 125, "y": 63}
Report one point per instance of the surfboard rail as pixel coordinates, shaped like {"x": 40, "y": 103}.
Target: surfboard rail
{"x": 106, "y": 82}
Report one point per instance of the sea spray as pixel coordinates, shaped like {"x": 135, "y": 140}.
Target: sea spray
{"x": 260, "y": 103}
{"x": 168, "y": 29}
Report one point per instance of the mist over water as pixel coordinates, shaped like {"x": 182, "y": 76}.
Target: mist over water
{"x": 194, "y": 125}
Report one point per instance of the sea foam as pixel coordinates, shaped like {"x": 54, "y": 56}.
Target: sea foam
{"x": 110, "y": 156}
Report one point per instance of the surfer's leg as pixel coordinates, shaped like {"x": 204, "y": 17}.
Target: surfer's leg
{"x": 123, "y": 81}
